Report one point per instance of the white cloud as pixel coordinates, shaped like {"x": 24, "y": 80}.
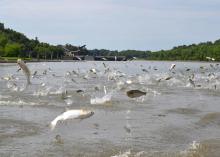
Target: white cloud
{"x": 115, "y": 24}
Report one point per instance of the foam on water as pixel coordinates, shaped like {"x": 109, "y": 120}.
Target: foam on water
{"x": 124, "y": 154}
{"x": 195, "y": 149}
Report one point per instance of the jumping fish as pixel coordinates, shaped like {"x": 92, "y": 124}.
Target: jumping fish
{"x": 71, "y": 114}
{"x": 25, "y": 69}
{"x": 75, "y": 73}
{"x": 168, "y": 78}
{"x": 172, "y": 66}
{"x": 104, "y": 65}
{"x": 192, "y": 82}
{"x": 135, "y": 93}
{"x": 210, "y": 58}
{"x": 35, "y": 73}
{"x": 45, "y": 72}
{"x": 104, "y": 59}
{"x": 145, "y": 70}
{"x": 79, "y": 91}
{"x": 93, "y": 71}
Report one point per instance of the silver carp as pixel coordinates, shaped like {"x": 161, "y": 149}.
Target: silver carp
{"x": 25, "y": 69}
{"x": 135, "y": 93}
{"x": 71, "y": 114}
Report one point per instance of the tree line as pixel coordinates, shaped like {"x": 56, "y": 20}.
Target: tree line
{"x": 15, "y": 44}
{"x": 198, "y": 52}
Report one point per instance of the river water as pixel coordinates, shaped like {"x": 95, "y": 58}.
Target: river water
{"x": 178, "y": 117}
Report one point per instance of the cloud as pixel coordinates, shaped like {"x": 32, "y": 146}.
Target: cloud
{"x": 115, "y": 24}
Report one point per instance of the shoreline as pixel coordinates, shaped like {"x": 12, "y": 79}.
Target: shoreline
{"x": 38, "y": 61}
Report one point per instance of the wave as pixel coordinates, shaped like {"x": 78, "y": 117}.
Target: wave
{"x": 17, "y": 103}
{"x": 210, "y": 118}
{"x": 184, "y": 111}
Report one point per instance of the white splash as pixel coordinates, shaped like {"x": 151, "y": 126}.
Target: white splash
{"x": 192, "y": 149}
{"x": 68, "y": 101}
{"x": 102, "y": 100}
{"x": 125, "y": 154}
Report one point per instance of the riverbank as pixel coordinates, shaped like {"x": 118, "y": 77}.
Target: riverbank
{"x": 31, "y": 61}
{"x": 14, "y": 60}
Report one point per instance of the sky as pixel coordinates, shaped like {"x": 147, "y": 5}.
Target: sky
{"x": 115, "y": 24}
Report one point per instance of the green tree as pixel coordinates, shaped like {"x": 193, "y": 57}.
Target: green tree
{"x": 13, "y": 49}
{"x": 3, "y": 42}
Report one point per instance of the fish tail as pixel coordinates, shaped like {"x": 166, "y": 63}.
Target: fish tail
{"x": 54, "y": 122}
{"x": 52, "y": 126}
{"x": 28, "y": 80}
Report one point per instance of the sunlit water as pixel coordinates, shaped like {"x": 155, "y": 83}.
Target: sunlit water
{"x": 166, "y": 122}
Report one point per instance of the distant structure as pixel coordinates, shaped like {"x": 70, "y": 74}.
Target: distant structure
{"x": 80, "y": 54}
{"x": 69, "y": 53}
{"x": 2, "y": 26}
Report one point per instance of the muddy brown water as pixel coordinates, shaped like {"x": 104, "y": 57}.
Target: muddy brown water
{"x": 162, "y": 123}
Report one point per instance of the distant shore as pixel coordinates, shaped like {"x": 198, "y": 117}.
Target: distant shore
{"x": 55, "y": 60}
{"x": 15, "y": 61}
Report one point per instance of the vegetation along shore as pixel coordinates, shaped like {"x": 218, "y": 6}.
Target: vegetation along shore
{"x": 15, "y": 45}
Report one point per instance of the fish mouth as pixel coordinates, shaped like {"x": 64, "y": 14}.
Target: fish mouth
{"x": 86, "y": 115}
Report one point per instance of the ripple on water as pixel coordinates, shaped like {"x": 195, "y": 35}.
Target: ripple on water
{"x": 10, "y": 128}
{"x": 17, "y": 103}
{"x": 184, "y": 111}
{"x": 49, "y": 94}
{"x": 210, "y": 118}
{"x": 207, "y": 148}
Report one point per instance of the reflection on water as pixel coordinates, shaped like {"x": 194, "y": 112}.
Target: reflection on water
{"x": 181, "y": 106}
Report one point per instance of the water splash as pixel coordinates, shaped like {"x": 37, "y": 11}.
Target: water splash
{"x": 101, "y": 100}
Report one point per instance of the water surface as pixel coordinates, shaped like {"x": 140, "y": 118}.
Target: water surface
{"x": 165, "y": 122}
